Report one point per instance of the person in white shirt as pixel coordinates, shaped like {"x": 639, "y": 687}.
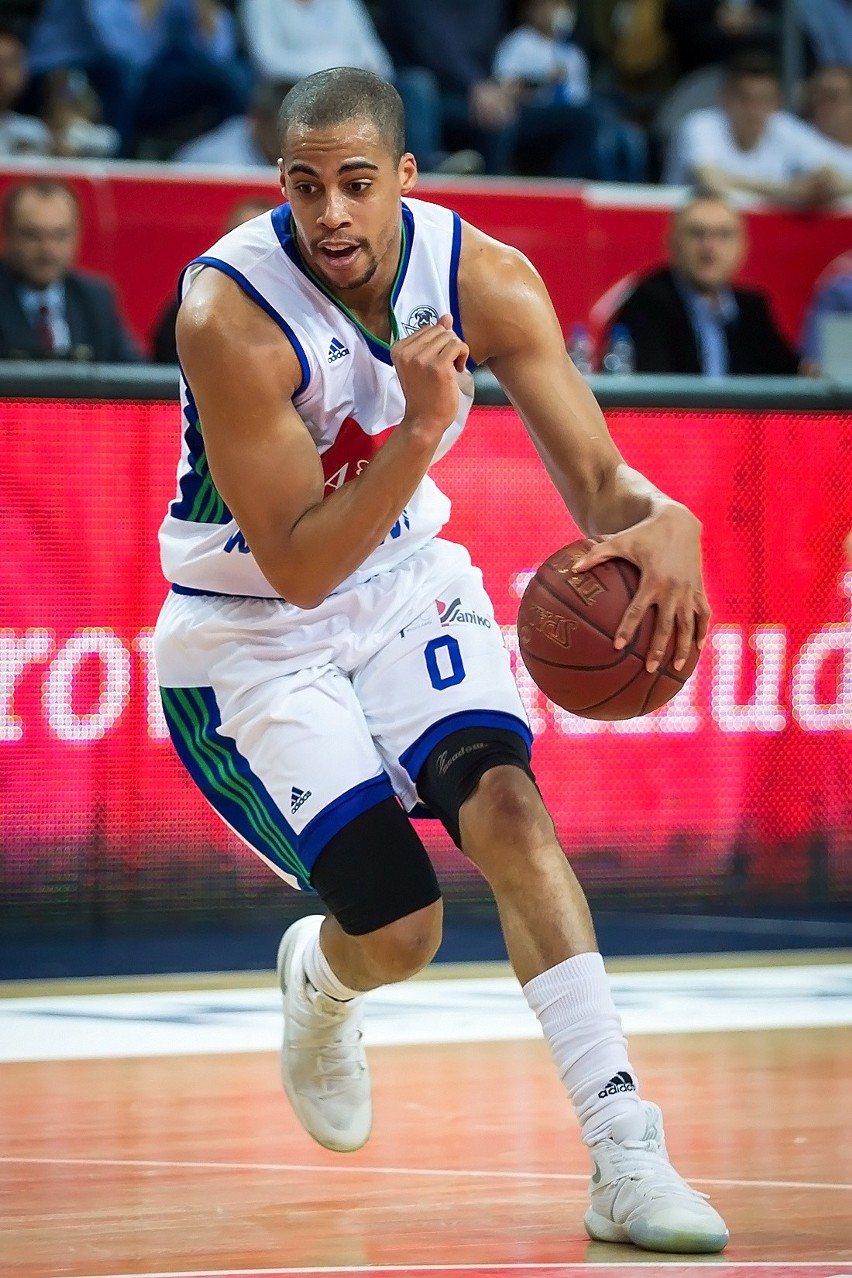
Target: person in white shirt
{"x": 748, "y": 144}
{"x": 829, "y": 109}
{"x": 289, "y": 39}
{"x": 19, "y": 134}
{"x": 559, "y": 125}
{"x": 540, "y": 56}
{"x": 244, "y": 141}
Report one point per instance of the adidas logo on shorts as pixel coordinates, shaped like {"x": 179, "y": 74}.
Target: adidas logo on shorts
{"x": 620, "y": 1082}
{"x": 298, "y": 797}
{"x": 336, "y": 350}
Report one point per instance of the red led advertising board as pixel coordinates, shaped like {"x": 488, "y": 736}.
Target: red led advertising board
{"x": 758, "y": 747}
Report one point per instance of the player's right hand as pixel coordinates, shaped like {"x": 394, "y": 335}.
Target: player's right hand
{"x": 427, "y": 364}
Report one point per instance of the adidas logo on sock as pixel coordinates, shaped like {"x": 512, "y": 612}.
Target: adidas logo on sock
{"x": 336, "y": 350}
{"x": 620, "y": 1082}
{"x": 298, "y": 797}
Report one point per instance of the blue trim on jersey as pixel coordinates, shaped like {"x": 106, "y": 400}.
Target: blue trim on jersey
{"x": 408, "y": 219}
{"x": 224, "y": 777}
{"x": 416, "y": 755}
{"x": 190, "y": 590}
{"x": 264, "y": 305}
{"x": 322, "y": 828}
{"x": 200, "y": 501}
{"x": 455, "y": 310}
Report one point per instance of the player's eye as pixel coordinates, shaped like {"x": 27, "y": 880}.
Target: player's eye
{"x": 359, "y": 186}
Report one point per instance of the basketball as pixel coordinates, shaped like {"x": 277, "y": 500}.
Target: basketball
{"x": 566, "y": 625}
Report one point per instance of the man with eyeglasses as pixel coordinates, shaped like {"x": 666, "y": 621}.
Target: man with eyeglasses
{"x": 688, "y": 317}
{"x": 47, "y": 309}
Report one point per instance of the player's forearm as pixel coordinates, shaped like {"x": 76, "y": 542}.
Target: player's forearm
{"x": 708, "y": 178}
{"x": 626, "y": 498}
{"x": 334, "y": 537}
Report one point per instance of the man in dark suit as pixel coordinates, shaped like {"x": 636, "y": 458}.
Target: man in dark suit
{"x": 48, "y": 310}
{"x": 688, "y": 317}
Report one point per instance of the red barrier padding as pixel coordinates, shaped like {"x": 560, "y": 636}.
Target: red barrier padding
{"x": 144, "y": 223}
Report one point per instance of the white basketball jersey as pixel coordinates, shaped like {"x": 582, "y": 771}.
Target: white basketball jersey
{"x": 349, "y": 399}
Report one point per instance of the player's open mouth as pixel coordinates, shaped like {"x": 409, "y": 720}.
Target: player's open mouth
{"x": 338, "y": 257}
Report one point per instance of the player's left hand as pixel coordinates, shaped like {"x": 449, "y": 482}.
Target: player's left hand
{"x": 666, "y": 548}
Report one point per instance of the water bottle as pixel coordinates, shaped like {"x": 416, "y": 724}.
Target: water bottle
{"x": 581, "y": 348}
{"x": 620, "y": 356}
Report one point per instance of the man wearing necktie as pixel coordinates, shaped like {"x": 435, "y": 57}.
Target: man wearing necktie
{"x": 48, "y": 310}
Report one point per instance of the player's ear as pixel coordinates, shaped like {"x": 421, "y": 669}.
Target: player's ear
{"x": 407, "y": 173}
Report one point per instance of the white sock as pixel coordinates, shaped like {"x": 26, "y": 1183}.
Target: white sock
{"x": 574, "y": 1004}
{"x": 322, "y": 978}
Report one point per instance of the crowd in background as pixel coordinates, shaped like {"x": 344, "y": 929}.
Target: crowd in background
{"x": 686, "y": 92}
{"x": 612, "y": 90}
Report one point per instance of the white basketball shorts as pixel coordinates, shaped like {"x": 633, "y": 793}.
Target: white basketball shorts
{"x": 293, "y": 722}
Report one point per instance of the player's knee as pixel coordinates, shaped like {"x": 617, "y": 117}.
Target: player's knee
{"x": 465, "y": 764}
{"x": 505, "y": 827}
{"x": 403, "y": 948}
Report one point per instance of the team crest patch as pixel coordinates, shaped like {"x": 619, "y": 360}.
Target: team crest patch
{"x": 421, "y": 317}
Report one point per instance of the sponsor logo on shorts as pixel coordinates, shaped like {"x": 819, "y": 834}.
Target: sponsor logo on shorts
{"x": 298, "y": 797}
{"x": 421, "y": 317}
{"x": 455, "y": 613}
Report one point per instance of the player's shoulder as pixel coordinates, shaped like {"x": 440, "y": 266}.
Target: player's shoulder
{"x": 490, "y": 263}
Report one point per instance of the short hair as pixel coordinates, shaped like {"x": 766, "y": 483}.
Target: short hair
{"x": 752, "y": 65}
{"x": 345, "y": 93}
{"x": 43, "y": 187}
{"x": 705, "y": 195}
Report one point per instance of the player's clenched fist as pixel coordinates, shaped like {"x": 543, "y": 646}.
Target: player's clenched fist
{"x": 426, "y": 364}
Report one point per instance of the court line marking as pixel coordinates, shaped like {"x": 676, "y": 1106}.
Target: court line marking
{"x": 476, "y": 1268}
{"x": 471, "y": 1173}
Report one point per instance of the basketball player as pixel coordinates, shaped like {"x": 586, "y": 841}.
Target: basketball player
{"x": 313, "y": 686}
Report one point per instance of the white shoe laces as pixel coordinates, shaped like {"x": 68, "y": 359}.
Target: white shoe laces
{"x": 333, "y": 1043}
{"x": 643, "y": 1163}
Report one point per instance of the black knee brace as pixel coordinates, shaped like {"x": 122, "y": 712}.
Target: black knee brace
{"x": 455, "y": 766}
{"x": 375, "y": 871}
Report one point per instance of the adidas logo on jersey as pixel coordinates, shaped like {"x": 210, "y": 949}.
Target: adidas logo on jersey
{"x": 298, "y": 797}
{"x": 336, "y": 350}
{"x": 620, "y": 1082}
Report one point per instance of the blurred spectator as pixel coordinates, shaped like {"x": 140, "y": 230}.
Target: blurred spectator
{"x": 828, "y": 106}
{"x": 163, "y": 345}
{"x": 636, "y": 50}
{"x": 289, "y": 39}
{"x": 72, "y": 113}
{"x": 19, "y": 134}
{"x": 708, "y": 31}
{"x": 828, "y": 23}
{"x": 832, "y": 295}
{"x": 458, "y": 47}
{"x": 558, "y": 120}
{"x": 47, "y": 309}
{"x": 249, "y": 140}
{"x": 153, "y": 63}
{"x": 689, "y": 318}
{"x": 749, "y": 144}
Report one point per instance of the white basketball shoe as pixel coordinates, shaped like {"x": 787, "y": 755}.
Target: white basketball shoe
{"x": 638, "y": 1197}
{"x": 323, "y": 1063}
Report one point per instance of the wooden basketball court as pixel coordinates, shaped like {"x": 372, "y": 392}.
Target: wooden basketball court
{"x": 178, "y": 1165}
